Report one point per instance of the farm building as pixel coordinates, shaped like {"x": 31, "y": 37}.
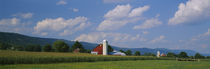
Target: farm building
{"x": 160, "y": 55}
{"x": 117, "y": 53}
{"x": 163, "y": 55}
{"x": 98, "y": 50}
{"x": 76, "y": 50}
{"x": 103, "y": 49}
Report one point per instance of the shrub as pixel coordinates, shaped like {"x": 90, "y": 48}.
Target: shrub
{"x": 128, "y": 52}
{"x": 183, "y": 55}
{"x": 199, "y": 56}
{"x": 47, "y": 48}
{"x": 76, "y": 45}
{"x": 170, "y": 54}
{"x": 60, "y": 46}
{"x": 137, "y": 53}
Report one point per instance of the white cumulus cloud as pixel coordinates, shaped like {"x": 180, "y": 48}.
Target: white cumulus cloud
{"x": 61, "y": 26}
{"x": 193, "y": 10}
{"x": 11, "y": 22}
{"x": 145, "y": 32}
{"x": 203, "y": 36}
{"x": 138, "y": 11}
{"x": 14, "y": 25}
{"x": 207, "y": 33}
{"x": 75, "y": 10}
{"x": 120, "y": 16}
{"x": 24, "y": 15}
{"x": 148, "y": 24}
{"x": 120, "y": 11}
{"x": 27, "y": 15}
{"x": 113, "y": 37}
{"x": 158, "y": 39}
{"x": 61, "y": 2}
{"x": 115, "y": 1}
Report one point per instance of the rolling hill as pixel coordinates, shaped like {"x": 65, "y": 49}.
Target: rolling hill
{"x": 19, "y": 39}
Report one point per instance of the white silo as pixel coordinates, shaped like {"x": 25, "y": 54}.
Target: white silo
{"x": 105, "y": 45}
{"x": 158, "y": 54}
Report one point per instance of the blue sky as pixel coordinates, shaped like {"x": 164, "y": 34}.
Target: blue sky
{"x": 172, "y": 24}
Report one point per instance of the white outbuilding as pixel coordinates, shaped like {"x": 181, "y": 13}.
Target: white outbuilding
{"x": 117, "y": 53}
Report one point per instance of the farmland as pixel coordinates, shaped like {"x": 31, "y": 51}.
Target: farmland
{"x": 21, "y": 57}
{"x": 55, "y": 60}
{"x": 139, "y": 64}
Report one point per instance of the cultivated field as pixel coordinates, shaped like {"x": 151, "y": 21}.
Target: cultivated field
{"x": 21, "y": 57}
{"x": 53, "y": 60}
{"x": 139, "y": 64}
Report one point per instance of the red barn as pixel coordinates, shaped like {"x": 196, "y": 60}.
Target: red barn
{"x": 163, "y": 54}
{"x": 99, "y": 49}
{"x": 76, "y": 50}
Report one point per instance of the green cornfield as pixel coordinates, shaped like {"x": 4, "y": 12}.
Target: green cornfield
{"x": 138, "y": 64}
{"x": 22, "y": 57}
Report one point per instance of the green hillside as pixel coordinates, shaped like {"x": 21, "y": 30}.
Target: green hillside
{"x": 23, "y": 40}
{"x": 18, "y": 39}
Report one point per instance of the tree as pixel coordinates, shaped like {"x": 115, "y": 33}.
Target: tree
{"x": 47, "y": 48}
{"x": 76, "y": 45}
{"x": 170, "y": 54}
{"x": 122, "y": 51}
{"x": 137, "y": 53}
{"x": 2, "y": 46}
{"x": 5, "y": 46}
{"x": 128, "y": 52}
{"x": 60, "y": 46}
{"x": 88, "y": 51}
{"x": 29, "y": 48}
{"x": 35, "y": 48}
{"x": 199, "y": 56}
{"x": 149, "y": 54}
{"x": 18, "y": 48}
{"x": 208, "y": 57}
{"x": 183, "y": 55}
{"x": 110, "y": 49}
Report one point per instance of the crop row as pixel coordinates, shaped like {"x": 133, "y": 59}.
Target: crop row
{"x": 37, "y": 60}
{"x": 18, "y": 57}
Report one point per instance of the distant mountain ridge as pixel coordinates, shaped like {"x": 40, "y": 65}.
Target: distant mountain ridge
{"x": 19, "y": 39}
{"x": 162, "y": 50}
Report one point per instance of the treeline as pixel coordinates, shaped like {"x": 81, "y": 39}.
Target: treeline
{"x": 136, "y": 53}
{"x": 184, "y": 55}
{"x": 57, "y": 46}
{"x": 170, "y": 54}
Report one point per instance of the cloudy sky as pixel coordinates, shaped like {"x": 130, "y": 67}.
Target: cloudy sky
{"x": 172, "y": 24}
